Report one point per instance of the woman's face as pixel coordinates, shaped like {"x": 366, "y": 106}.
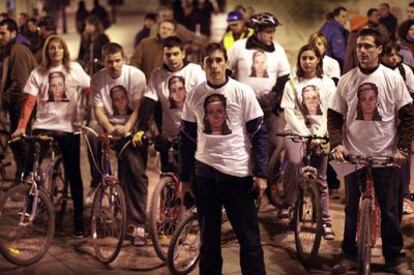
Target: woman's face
{"x": 321, "y": 47}
{"x": 89, "y": 28}
{"x": 216, "y": 115}
{"x": 411, "y": 31}
{"x": 391, "y": 59}
{"x": 311, "y": 100}
{"x": 309, "y": 61}
{"x": 57, "y": 86}
{"x": 368, "y": 102}
{"x": 177, "y": 91}
{"x": 260, "y": 64}
{"x": 120, "y": 101}
{"x": 56, "y": 52}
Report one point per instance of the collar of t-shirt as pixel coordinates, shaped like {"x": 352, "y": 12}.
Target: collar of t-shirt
{"x": 217, "y": 86}
{"x": 368, "y": 70}
{"x": 165, "y": 66}
{"x": 254, "y": 43}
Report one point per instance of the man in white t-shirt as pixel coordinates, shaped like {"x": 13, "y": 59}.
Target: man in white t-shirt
{"x": 222, "y": 128}
{"x": 169, "y": 85}
{"x": 117, "y": 94}
{"x": 263, "y": 65}
{"x": 375, "y": 108}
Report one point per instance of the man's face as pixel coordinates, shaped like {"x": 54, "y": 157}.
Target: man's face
{"x": 267, "y": 35}
{"x": 166, "y": 29}
{"x": 374, "y": 18}
{"x": 215, "y": 66}
{"x": 174, "y": 58}
{"x": 113, "y": 63}
{"x": 5, "y": 35}
{"x": 383, "y": 10}
{"x": 342, "y": 17}
{"x": 165, "y": 14}
{"x": 410, "y": 12}
{"x": 367, "y": 52}
{"x": 236, "y": 27}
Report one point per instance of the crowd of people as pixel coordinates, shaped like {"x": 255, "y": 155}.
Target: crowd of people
{"x": 354, "y": 86}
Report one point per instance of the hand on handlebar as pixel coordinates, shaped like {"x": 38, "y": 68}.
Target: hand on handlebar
{"x": 138, "y": 139}
{"x": 118, "y": 130}
{"x": 338, "y": 153}
{"x": 260, "y": 184}
{"x": 19, "y": 132}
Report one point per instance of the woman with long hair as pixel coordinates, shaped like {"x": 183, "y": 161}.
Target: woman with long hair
{"x": 92, "y": 41}
{"x": 305, "y": 103}
{"x": 56, "y": 117}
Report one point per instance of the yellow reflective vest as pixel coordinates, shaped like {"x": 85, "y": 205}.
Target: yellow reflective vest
{"x": 228, "y": 39}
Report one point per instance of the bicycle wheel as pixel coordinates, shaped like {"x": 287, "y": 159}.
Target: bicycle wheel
{"x": 108, "y": 222}
{"x": 308, "y": 223}
{"x": 184, "y": 248}
{"x": 164, "y": 215}
{"x": 24, "y": 241}
{"x": 364, "y": 238}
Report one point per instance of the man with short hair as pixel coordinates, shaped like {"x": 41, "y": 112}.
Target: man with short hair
{"x": 374, "y": 23}
{"x": 410, "y": 11}
{"x": 117, "y": 92}
{"x": 17, "y": 64}
{"x": 222, "y": 132}
{"x": 371, "y": 114}
{"x": 336, "y": 34}
{"x": 149, "y": 53}
{"x": 149, "y": 20}
{"x": 388, "y": 19}
{"x": 237, "y": 29}
{"x": 169, "y": 85}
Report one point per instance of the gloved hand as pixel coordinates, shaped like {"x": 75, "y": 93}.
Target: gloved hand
{"x": 161, "y": 143}
{"x": 138, "y": 139}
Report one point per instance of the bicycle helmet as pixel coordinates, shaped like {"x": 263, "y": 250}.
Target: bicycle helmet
{"x": 234, "y": 16}
{"x": 264, "y": 19}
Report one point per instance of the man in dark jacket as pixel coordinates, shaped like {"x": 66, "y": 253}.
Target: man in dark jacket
{"x": 17, "y": 63}
{"x": 388, "y": 19}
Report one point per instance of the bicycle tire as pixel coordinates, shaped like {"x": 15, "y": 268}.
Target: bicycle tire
{"x": 15, "y": 243}
{"x": 164, "y": 216}
{"x": 105, "y": 213}
{"x": 189, "y": 225}
{"x": 308, "y": 223}
{"x": 364, "y": 238}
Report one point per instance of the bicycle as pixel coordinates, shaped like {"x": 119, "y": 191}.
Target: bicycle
{"x": 368, "y": 223}
{"x": 166, "y": 206}
{"x": 27, "y": 216}
{"x": 108, "y": 218}
{"x": 307, "y": 216}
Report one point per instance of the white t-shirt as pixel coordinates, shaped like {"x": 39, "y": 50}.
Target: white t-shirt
{"x": 331, "y": 67}
{"x": 317, "y": 93}
{"x": 257, "y": 68}
{"x": 57, "y": 93}
{"x": 409, "y": 77}
{"x": 371, "y": 121}
{"x": 159, "y": 90}
{"x": 222, "y": 139}
{"x": 119, "y": 97}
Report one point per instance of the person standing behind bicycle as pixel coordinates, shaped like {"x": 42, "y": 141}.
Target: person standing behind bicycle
{"x": 117, "y": 91}
{"x": 305, "y": 103}
{"x": 169, "y": 85}
{"x": 53, "y": 87}
{"x": 222, "y": 128}
{"x": 371, "y": 114}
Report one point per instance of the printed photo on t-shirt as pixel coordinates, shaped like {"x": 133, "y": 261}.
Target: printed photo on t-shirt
{"x": 215, "y": 120}
{"x": 177, "y": 92}
{"x": 367, "y": 108}
{"x": 259, "y": 64}
{"x": 311, "y": 100}
{"x": 57, "y": 88}
{"x": 120, "y": 102}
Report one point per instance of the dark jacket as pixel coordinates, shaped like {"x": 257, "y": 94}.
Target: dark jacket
{"x": 336, "y": 35}
{"x": 17, "y": 64}
{"x": 90, "y": 50}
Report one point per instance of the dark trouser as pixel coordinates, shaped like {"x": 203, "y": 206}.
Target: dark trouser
{"x": 69, "y": 146}
{"x": 333, "y": 182}
{"x": 131, "y": 172}
{"x": 20, "y": 149}
{"x": 406, "y": 177}
{"x": 234, "y": 194}
{"x": 386, "y": 182}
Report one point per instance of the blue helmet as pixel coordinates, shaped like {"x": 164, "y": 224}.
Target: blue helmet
{"x": 234, "y": 16}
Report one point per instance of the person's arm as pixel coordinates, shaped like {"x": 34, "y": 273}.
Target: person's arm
{"x": 338, "y": 47}
{"x": 260, "y": 146}
{"x": 335, "y": 123}
{"x": 132, "y": 120}
{"x": 28, "y": 106}
{"x": 405, "y": 129}
{"x": 103, "y": 119}
{"x": 186, "y": 149}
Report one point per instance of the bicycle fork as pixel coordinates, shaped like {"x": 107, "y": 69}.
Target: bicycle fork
{"x": 30, "y": 206}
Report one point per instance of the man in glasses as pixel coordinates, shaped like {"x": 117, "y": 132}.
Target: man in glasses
{"x": 222, "y": 133}
{"x": 376, "y": 107}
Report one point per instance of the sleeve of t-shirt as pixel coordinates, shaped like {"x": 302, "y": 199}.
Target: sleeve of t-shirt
{"x": 151, "y": 92}
{"x": 409, "y": 79}
{"x": 188, "y": 109}
{"x": 32, "y": 86}
{"x": 97, "y": 100}
{"x": 402, "y": 96}
{"x": 200, "y": 75}
{"x": 252, "y": 109}
{"x": 82, "y": 78}
{"x": 138, "y": 86}
{"x": 284, "y": 66}
{"x": 334, "y": 69}
{"x": 337, "y": 101}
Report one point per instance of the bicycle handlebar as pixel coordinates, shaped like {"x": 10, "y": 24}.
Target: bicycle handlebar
{"x": 296, "y": 137}
{"x": 367, "y": 160}
{"x": 32, "y": 138}
{"x": 96, "y": 134}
